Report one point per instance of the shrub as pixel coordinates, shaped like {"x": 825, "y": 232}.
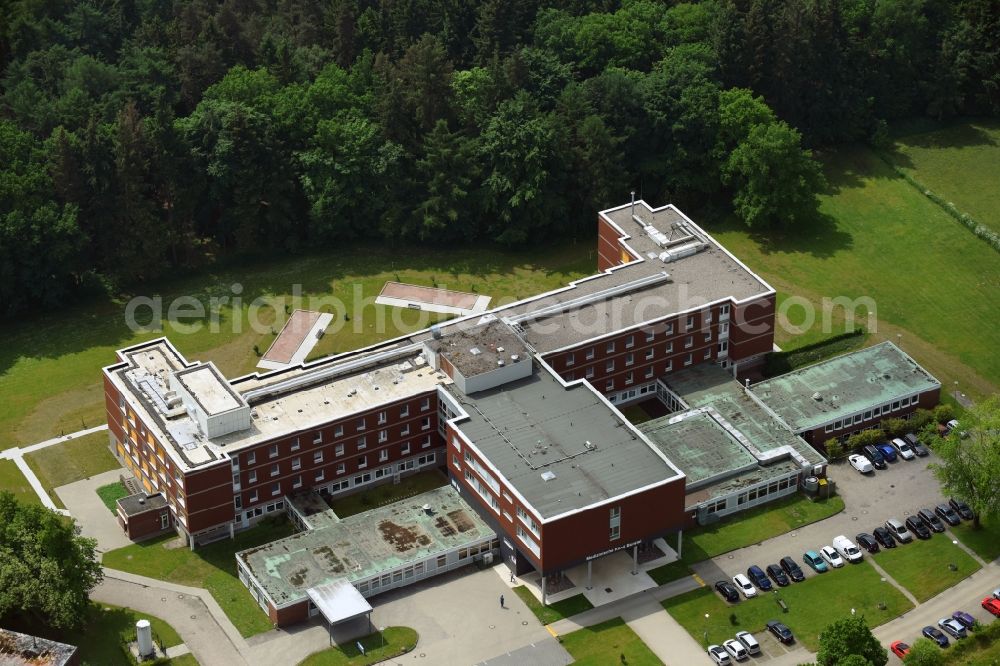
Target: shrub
{"x": 943, "y": 413}
{"x": 895, "y": 427}
{"x": 834, "y": 449}
{"x": 865, "y": 437}
{"x": 920, "y": 418}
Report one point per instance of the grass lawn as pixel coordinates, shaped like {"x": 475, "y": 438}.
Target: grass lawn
{"x": 922, "y": 567}
{"x": 50, "y": 363}
{"x": 387, "y": 493}
{"x": 392, "y": 642}
{"x": 812, "y": 605}
{"x": 212, "y": 567}
{"x": 71, "y": 461}
{"x": 985, "y": 541}
{"x": 756, "y": 525}
{"x": 100, "y": 637}
{"x": 877, "y": 237}
{"x": 611, "y": 642}
{"x": 553, "y": 612}
{"x": 959, "y": 163}
{"x": 13, "y": 481}
{"x": 670, "y": 572}
{"x": 636, "y": 414}
{"x": 112, "y": 492}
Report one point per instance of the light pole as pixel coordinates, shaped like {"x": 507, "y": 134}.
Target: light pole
{"x": 381, "y": 633}
{"x": 706, "y": 628}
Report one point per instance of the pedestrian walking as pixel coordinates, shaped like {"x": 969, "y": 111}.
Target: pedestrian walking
{"x": 512, "y": 576}
{"x": 501, "y": 601}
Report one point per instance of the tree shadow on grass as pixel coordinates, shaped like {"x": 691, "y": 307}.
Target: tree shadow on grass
{"x": 818, "y": 237}
{"x": 965, "y": 135}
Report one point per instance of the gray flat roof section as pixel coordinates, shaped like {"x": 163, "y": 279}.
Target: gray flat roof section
{"x": 477, "y": 349}
{"x": 845, "y": 385}
{"x": 709, "y": 385}
{"x": 366, "y": 544}
{"x": 537, "y": 425}
{"x": 699, "y": 445}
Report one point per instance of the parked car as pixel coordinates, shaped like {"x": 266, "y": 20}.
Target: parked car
{"x": 780, "y": 631}
{"x": 745, "y": 586}
{"x": 898, "y": 531}
{"x": 952, "y": 424}
{"x": 775, "y": 573}
{"x": 903, "y": 448}
{"x": 728, "y": 591}
{"x": 917, "y": 445}
{"x": 884, "y": 537}
{"x": 736, "y": 649}
{"x": 868, "y": 542}
{"x": 793, "y": 570}
{"x": 947, "y": 514}
{"x": 815, "y": 561}
{"x": 860, "y": 463}
{"x": 915, "y": 525}
{"x": 931, "y": 520}
{"x": 846, "y": 549}
{"x": 759, "y": 578}
{"x": 887, "y": 451}
{"x": 899, "y": 648}
{"x": 996, "y": 593}
{"x": 964, "y": 619}
{"x": 719, "y": 655}
{"x": 952, "y": 627}
{"x": 874, "y": 455}
{"x": 961, "y": 508}
{"x": 748, "y": 641}
{"x": 935, "y": 635}
{"x": 831, "y": 556}
{"x": 992, "y": 604}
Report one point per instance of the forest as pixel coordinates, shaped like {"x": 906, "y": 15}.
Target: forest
{"x": 143, "y": 137}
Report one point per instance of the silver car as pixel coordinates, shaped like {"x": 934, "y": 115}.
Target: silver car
{"x": 898, "y": 530}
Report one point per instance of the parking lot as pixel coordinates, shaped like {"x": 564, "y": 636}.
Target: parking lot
{"x": 896, "y": 492}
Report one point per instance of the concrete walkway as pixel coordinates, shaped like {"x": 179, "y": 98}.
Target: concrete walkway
{"x": 91, "y": 513}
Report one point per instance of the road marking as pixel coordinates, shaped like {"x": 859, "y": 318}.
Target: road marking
{"x": 698, "y": 580}
{"x": 548, "y": 628}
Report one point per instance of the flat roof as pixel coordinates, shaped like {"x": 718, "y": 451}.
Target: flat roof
{"x": 540, "y": 425}
{"x": 699, "y": 445}
{"x": 475, "y": 350}
{"x": 366, "y": 544}
{"x": 207, "y": 385}
{"x": 830, "y": 390}
{"x": 339, "y": 601}
{"x": 134, "y": 505}
{"x": 17, "y": 649}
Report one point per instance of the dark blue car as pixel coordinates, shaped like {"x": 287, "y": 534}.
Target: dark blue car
{"x": 887, "y": 451}
{"x": 759, "y": 578}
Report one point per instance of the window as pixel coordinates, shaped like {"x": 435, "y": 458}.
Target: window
{"x": 611, "y": 347}
{"x": 383, "y": 455}
{"x": 362, "y": 443}
{"x": 669, "y": 366}
{"x": 317, "y": 438}
{"x": 275, "y": 469}
{"x": 404, "y": 411}
{"x": 361, "y": 423}
{"x": 723, "y": 348}
{"x": 121, "y": 403}
{"x": 609, "y": 385}
{"x": 668, "y": 328}
{"x": 630, "y": 341}
{"x": 317, "y": 457}
{"x": 628, "y": 378}
{"x": 895, "y": 405}
{"x": 690, "y": 323}
{"x": 688, "y": 342}
{"x": 707, "y": 318}
{"x": 405, "y": 449}
{"x": 251, "y": 458}
{"x": 382, "y": 418}
{"x": 609, "y": 366}
{"x": 383, "y": 436}
{"x": 338, "y": 431}
{"x": 629, "y": 359}
{"x": 320, "y": 475}
{"x": 589, "y": 374}
{"x": 724, "y": 311}
{"x": 339, "y": 450}
{"x": 363, "y": 462}
{"x": 295, "y": 444}
{"x": 273, "y": 452}
{"x": 252, "y": 477}
{"x": 570, "y": 359}
{"x": 238, "y": 502}
{"x": 670, "y": 347}
{"x": 275, "y": 488}
{"x": 590, "y": 354}
{"x": 425, "y": 423}
{"x": 298, "y": 482}
{"x": 425, "y": 404}
{"x": 857, "y": 418}
{"x": 649, "y": 372}
{"x": 723, "y": 330}
{"x": 708, "y": 354}
{"x": 456, "y": 461}
{"x": 253, "y": 497}
{"x": 427, "y": 442}
{"x": 708, "y": 336}
{"x": 341, "y": 468}
{"x": 650, "y": 335}
{"x": 649, "y": 354}
{"x": 296, "y": 463}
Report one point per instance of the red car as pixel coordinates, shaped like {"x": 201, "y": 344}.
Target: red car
{"x": 899, "y": 648}
{"x": 992, "y": 605}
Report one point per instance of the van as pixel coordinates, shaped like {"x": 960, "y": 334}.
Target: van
{"x": 847, "y": 549}
{"x": 898, "y": 531}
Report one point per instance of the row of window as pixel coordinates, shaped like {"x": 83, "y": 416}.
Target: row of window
{"x": 340, "y": 449}
{"x": 873, "y": 413}
{"x": 417, "y": 569}
{"x": 649, "y": 353}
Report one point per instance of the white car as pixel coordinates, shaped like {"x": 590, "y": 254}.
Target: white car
{"x": 745, "y": 586}
{"x": 846, "y": 548}
{"x": 831, "y": 556}
{"x": 860, "y": 463}
{"x": 736, "y": 650}
{"x": 719, "y": 655}
{"x": 748, "y": 641}
{"x": 904, "y": 448}
{"x": 996, "y": 593}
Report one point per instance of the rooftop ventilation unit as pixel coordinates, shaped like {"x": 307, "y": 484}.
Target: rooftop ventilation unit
{"x": 475, "y": 351}
{"x": 548, "y": 475}
{"x": 817, "y": 397}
